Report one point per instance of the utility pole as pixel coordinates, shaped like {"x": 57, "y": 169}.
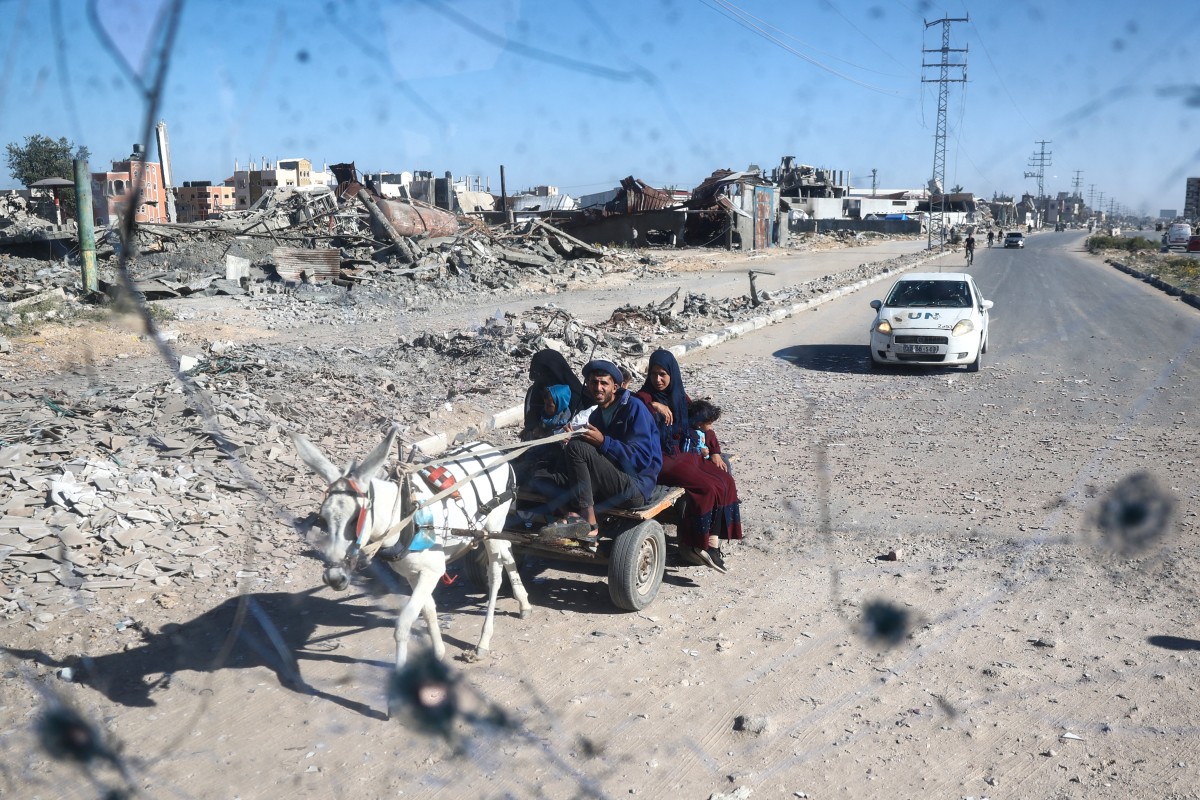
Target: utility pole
{"x": 1100, "y": 202}
{"x": 938, "y": 182}
{"x": 1091, "y": 196}
{"x": 873, "y": 171}
{"x": 1076, "y": 195}
{"x": 87, "y": 234}
{"x": 1041, "y": 160}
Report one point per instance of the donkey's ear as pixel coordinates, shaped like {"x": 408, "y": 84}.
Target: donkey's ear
{"x": 315, "y": 460}
{"x": 371, "y": 464}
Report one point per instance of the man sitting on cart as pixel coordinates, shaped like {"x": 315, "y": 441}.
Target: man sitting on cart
{"x": 612, "y": 461}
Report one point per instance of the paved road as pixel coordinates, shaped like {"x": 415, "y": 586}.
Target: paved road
{"x": 989, "y": 486}
{"x": 1083, "y": 359}
{"x": 1053, "y": 305}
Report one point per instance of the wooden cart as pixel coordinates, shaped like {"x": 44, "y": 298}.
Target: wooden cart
{"x": 631, "y": 542}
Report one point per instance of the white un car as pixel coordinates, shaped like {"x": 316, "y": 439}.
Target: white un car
{"x": 931, "y": 319}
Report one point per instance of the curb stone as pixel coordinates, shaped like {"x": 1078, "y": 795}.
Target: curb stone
{"x": 1155, "y": 281}
{"x": 439, "y": 442}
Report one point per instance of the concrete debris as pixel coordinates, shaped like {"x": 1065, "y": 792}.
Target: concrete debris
{"x": 27, "y": 297}
{"x": 121, "y": 488}
{"x": 392, "y": 219}
{"x": 542, "y": 327}
{"x": 291, "y": 238}
{"x": 96, "y": 502}
{"x": 20, "y": 224}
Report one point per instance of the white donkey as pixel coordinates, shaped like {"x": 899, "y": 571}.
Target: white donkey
{"x": 419, "y": 525}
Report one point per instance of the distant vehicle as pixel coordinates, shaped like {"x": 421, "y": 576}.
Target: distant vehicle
{"x": 931, "y": 319}
{"x": 1014, "y": 239}
{"x": 1178, "y": 234}
{"x": 1193, "y": 245}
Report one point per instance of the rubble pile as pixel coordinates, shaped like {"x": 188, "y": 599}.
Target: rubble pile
{"x": 632, "y": 330}
{"x": 510, "y": 336}
{"x": 498, "y": 261}
{"x": 19, "y": 223}
{"x": 210, "y": 258}
{"x": 125, "y": 490}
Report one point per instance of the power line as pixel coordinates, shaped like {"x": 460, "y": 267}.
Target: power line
{"x": 835, "y": 10}
{"x": 720, "y": 9}
{"x": 748, "y": 15}
{"x": 999, "y": 78}
{"x": 534, "y": 53}
{"x": 967, "y": 153}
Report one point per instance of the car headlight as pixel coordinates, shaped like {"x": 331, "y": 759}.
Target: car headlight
{"x": 884, "y": 327}
{"x": 963, "y": 326}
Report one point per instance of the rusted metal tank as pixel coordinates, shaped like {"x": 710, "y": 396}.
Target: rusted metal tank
{"x": 407, "y": 217}
{"x": 414, "y": 218}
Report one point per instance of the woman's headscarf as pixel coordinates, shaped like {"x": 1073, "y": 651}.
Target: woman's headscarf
{"x": 548, "y": 368}
{"x": 561, "y": 395}
{"x": 678, "y": 434}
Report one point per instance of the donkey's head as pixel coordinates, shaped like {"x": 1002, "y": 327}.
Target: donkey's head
{"x": 344, "y": 511}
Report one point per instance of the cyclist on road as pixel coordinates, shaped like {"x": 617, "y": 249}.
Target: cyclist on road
{"x": 991, "y": 237}
{"x": 970, "y": 247}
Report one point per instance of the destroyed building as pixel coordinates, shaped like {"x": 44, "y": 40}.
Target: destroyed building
{"x": 817, "y": 199}
{"x": 957, "y": 208}
{"x": 740, "y": 206}
{"x": 1004, "y": 210}
{"x": 540, "y": 201}
{"x": 27, "y": 216}
{"x": 470, "y": 194}
{"x": 635, "y": 214}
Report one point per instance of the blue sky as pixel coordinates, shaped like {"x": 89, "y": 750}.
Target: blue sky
{"x": 580, "y": 94}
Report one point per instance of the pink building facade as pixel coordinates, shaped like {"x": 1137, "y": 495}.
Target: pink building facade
{"x": 111, "y": 190}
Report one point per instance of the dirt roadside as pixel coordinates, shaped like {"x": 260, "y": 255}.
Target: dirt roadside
{"x": 761, "y": 685}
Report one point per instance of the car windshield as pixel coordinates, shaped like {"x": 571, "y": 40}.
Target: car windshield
{"x": 930, "y": 294}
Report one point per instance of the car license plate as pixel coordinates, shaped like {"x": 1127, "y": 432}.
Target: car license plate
{"x": 921, "y": 348}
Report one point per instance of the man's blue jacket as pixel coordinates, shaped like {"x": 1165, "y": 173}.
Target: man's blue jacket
{"x": 631, "y": 441}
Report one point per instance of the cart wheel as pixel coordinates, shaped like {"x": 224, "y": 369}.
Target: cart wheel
{"x": 635, "y": 566}
{"x": 476, "y": 566}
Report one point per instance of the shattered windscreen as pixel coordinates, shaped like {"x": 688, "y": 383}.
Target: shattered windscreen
{"x": 289, "y": 493}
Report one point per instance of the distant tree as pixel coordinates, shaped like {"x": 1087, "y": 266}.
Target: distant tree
{"x": 956, "y": 190}
{"x": 42, "y": 157}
